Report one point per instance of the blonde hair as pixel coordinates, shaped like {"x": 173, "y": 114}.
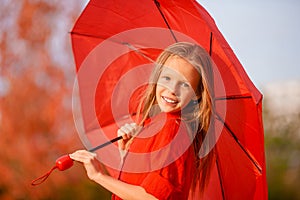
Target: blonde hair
{"x": 198, "y": 113}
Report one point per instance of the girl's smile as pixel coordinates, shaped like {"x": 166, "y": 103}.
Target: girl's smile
{"x": 176, "y": 84}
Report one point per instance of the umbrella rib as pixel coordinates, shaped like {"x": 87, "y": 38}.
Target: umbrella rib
{"x": 233, "y": 97}
{"x": 210, "y": 43}
{"x": 239, "y": 143}
{"x": 220, "y": 178}
{"x": 130, "y": 46}
{"x": 85, "y": 35}
{"x": 164, "y": 18}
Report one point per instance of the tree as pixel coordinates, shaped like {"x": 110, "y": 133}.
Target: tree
{"x": 36, "y": 80}
{"x": 282, "y": 141}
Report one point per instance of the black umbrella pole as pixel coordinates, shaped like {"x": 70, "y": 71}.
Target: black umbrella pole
{"x": 105, "y": 144}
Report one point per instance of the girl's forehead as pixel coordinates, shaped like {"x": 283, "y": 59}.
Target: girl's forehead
{"x": 178, "y": 65}
{"x": 181, "y": 70}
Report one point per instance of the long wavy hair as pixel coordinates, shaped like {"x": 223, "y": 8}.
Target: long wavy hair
{"x": 197, "y": 114}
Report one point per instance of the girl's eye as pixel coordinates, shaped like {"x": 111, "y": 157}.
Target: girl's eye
{"x": 165, "y": 78}
{"x": 186, "y": 85}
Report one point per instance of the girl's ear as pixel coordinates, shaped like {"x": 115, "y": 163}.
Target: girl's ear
{"x": 198, "y": 93}
{"x": 196, "y": 100}
{"x": 197, "y": 97}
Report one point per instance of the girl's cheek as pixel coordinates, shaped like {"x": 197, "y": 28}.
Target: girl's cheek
{"x": 188, "y": 98}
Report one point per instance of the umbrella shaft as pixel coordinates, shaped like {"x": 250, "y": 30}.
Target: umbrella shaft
{"x": 105, "y": 144}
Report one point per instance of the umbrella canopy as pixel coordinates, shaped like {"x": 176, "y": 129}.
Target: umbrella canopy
{"x": 115, "y": 44}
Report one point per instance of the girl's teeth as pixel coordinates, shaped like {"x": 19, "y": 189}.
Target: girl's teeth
{"x": 168, "y": 100}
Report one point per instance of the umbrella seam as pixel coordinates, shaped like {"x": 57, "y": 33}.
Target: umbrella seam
{"x": 220, "y": 179}
{"x": 233, "y": 97}
{"x": 130, "y": 46}
{"x": 259, "y": 168}
{"x": 165, "y": 20}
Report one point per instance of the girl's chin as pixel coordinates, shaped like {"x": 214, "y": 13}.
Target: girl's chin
{"x": 168, "y": 109}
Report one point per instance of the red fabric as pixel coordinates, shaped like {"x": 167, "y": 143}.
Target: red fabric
{"x": 172, "y": 181}
{"x": 238, "y": 102}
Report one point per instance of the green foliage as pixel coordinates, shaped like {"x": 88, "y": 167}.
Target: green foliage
{"x": 282, "y": 143}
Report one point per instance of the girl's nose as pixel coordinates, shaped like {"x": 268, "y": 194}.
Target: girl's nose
{"x": 173, "y": 87}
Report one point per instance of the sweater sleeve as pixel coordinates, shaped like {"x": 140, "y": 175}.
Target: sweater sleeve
{"x": 173, "y": 181}
{"x": 158, "y": 186}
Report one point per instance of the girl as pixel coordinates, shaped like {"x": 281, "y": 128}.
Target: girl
{"x": 177, "y": 107}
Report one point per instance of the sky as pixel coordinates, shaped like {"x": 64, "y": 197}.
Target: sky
{"x": 264, "y": 35}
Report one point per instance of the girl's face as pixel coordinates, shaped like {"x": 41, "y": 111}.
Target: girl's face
{"x": 177, "y": 84}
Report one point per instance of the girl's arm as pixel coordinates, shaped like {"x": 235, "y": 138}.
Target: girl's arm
{"x": 119, "y": 188}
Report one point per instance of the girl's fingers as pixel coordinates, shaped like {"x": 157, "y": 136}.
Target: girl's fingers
{"x": 124, "y": 135}
{"x": 127, "y": 131}
{"x": 89, "y": 161}
{"x": 133, "y": 127}
{"x": 120, "y": 132}
{"x": 136, "y": 128}
{"x": 83, "y": 156}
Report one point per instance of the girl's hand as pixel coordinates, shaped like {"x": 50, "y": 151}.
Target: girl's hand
{"x": 89, "y": 160}
{"x": 127, "y": 132}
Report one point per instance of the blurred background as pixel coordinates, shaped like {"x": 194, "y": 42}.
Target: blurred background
{"x": 37, "y": 75}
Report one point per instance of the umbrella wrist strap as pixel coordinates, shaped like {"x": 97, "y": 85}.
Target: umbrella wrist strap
{"x": 43, "y": 178}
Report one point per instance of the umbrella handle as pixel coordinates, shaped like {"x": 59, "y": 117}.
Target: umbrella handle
{"x": 62, "y": 163}
{"x": 65, "y": 162}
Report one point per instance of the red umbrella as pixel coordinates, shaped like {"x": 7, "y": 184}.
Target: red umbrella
{"x": 114, "y": 45}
